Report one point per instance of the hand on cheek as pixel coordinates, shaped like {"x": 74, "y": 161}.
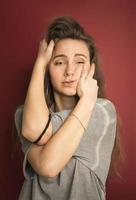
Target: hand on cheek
{"x": 87, "y": 85}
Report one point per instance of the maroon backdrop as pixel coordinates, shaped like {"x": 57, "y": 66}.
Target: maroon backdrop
{"x": 112, "y": 25}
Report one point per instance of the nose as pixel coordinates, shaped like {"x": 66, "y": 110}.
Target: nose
{"x": 70, "y": 70}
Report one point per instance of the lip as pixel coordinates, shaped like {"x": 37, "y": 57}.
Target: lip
{"x": 69, "y": 83}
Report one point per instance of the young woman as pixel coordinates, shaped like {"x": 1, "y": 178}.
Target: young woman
{"x": 67, "y": 127}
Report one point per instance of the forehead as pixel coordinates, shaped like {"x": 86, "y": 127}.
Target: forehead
{"x": 71, "y": 47}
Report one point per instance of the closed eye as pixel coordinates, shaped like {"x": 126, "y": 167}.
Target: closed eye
{"x": 80, "y": 62}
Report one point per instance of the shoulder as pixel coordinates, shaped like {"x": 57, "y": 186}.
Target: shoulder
{"x": 106, "y": 104}
{"x": 18, "y": 117}
{"x": 105, "y": 108}
{"x": 19, "y": 110}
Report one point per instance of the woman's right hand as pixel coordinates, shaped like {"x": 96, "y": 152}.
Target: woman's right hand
{"x": 87, "y": 86}
{"x": 44, "y": 53}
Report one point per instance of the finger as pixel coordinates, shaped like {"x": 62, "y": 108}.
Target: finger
{"x": 83, "y": 72}
{"x": 51, "y": 46}
{"x": 92, "y": 71}
{"x": 43, "y": 44}
{"x": 49, "y": 51}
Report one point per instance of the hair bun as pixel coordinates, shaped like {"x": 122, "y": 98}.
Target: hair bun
{"x": 64, "y": 27}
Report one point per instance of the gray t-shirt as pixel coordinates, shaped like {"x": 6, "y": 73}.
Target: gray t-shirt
{"x": 84, "y": 176}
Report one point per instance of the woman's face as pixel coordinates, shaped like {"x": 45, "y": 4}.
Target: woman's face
{"x": 69, "y": 57}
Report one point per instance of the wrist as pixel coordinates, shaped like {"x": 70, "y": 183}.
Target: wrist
{"x": 87, "y": 102}
{"x": 40, "y": 65}
{"x": 83, "y": 111}
{"x": 40, "y": 61}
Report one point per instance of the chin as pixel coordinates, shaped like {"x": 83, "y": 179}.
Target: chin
{"x": 67, "y": 92}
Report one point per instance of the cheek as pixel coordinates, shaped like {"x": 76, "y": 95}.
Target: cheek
{"x": 55, "y": 75}
{"x": 78, "y": 72}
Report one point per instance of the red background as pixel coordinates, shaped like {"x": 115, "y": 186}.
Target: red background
{"x": 112, "y": 23}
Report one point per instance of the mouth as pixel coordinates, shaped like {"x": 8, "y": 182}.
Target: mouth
{"x": 69, "y": 83}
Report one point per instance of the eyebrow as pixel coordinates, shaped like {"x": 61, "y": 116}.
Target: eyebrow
{"x": 80, "y": 54}
{"x": 60, "y": 55}
{"x": 63, "y": 55}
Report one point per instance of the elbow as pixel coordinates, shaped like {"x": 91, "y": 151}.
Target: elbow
{"x": 50, "y": 174}
{"x": 49, "y": 170}
{"x": 27, "y": 133}
{"x": 32, "y": 135}
{"x": 24, "y": 132}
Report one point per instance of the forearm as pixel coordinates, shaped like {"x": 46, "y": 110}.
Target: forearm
{"x": 35, "y": 113}
{"x": 60, "y": 148}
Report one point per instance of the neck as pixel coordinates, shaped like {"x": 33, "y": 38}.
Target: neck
{"x": 64, "y": 102}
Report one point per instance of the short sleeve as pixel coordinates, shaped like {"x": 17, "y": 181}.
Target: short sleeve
{"x": 96, "y": 147}
{"x": 27, "y": 169}
{"x": 105, "y": 143}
